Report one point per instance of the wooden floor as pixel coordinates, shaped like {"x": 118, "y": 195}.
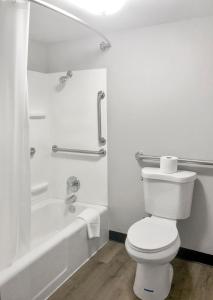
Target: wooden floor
{"x": 109, "y": 275}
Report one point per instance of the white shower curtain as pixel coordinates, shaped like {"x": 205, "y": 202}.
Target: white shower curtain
{"x": 14, "y": 131}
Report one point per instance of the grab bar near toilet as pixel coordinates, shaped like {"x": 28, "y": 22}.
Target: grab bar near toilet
{"x": 140, "y": 156}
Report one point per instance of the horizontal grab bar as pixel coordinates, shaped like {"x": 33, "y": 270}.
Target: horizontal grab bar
{"x": 101, "y": 152}
{"x": 141, "y": 156}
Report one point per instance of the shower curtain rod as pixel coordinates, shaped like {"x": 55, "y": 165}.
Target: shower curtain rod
{"x": 103, "y": 45}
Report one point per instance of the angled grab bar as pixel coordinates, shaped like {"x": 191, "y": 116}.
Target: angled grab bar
{"x": 101, "y": 152}
{"x": 100, "y": 97}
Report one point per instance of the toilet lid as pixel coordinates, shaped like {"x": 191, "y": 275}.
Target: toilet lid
{"x": 152, "y": 234}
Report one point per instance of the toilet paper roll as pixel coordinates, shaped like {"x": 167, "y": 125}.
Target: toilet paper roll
{"x": 168, "y": 164}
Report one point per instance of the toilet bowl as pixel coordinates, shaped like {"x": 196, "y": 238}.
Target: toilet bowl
{"x": 153, "y": 243}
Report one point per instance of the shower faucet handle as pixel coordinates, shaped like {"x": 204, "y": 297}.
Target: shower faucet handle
{"x": 73, "y": 184}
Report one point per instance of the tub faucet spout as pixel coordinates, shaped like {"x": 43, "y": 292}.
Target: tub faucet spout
{"x": 70, "y": 199}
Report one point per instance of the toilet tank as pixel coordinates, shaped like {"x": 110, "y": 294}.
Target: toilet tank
{"x": 168, "y": 195}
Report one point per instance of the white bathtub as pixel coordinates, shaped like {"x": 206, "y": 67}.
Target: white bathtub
{"x": 59, "y": 246}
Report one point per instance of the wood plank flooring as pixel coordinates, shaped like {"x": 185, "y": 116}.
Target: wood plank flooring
{"x": 109, "y": 275}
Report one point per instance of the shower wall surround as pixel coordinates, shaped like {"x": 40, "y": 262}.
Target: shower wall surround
{"x": 66, "y": 115}
{"x": 74, "y": 125}
{"x": 40, "y": 138}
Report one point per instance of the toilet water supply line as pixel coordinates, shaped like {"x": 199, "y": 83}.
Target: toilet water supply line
{"x": 104, "y": 45}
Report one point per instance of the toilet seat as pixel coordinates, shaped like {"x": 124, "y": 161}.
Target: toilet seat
{"x": 152, "y": 234}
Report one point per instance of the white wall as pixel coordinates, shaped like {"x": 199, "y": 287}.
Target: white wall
{"x": 37, "y": 56}
{"x": 160, "y": 91}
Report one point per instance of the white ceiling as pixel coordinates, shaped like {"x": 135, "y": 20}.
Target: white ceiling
{"x": 47, "y": 26}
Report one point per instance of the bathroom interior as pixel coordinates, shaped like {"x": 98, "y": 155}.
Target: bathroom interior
{"x": 106, "y": 149}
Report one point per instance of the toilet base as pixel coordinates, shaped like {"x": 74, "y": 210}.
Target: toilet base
{"x": 153, "y": 282}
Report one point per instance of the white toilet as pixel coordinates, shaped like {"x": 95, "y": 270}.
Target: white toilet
{"x": 153, "y": 242}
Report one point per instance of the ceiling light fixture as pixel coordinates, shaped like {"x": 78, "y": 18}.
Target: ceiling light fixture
{"x": 100, "y": 7}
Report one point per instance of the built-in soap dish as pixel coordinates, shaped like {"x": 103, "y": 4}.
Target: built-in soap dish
{"x": 37, "y": 115}
{"x": 39, "y": 188}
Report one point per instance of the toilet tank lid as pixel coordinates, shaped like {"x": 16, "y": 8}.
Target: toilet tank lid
{"x": 179, "y": 176}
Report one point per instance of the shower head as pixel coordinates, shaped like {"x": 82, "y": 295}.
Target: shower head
{"x": 63, "y": 79}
